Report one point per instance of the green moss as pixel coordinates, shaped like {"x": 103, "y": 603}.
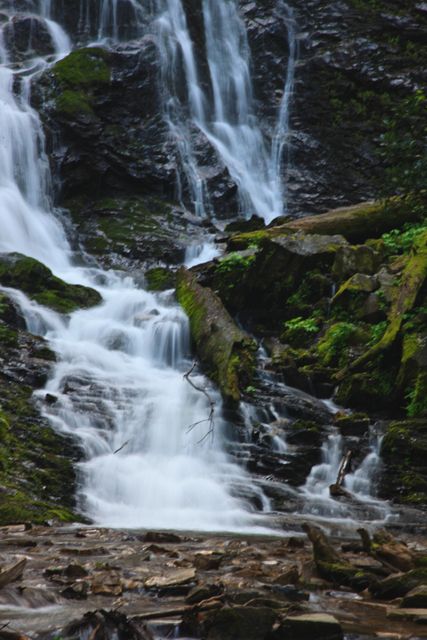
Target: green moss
{"x": 245, "y": 240}
{"x": 31, "y": 464}
{"x": 8, "y": 337}
{"x": 73, "y": 102}
{"x": 417, "y": 397}
{"x": 299, "y": 332}
{"x": 83, "y": 68}
{"x": 226, "y": 352}
{"x": 41, "y": 285}
{"x": 160, "y": 279}
{"x": 333, "y": 348}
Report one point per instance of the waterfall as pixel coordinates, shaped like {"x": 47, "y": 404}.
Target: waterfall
{"x": 361, "y": 483}
{"x": 228, "y": 120}
{"x": 151, "y": 456}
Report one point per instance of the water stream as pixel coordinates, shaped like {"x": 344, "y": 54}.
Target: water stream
{"x": 151, "y": 458}
{"x": 119, "y": 381}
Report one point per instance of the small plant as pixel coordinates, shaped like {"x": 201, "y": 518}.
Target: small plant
{"x": 377, "y": 332}
{"x": 233, "y": 261}
{"x": 332, "y": 348}
{"x": 402, "y": 240}
{"x": 298, "y": 331}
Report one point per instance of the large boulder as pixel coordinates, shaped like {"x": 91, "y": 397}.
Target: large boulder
{"x": 39, "y": 283}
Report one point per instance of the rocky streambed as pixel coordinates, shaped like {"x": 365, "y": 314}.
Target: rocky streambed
{"x": 85, "y": 582}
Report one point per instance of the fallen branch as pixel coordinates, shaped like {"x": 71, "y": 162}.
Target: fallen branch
{"x": 210, "y": 418}
{"x": 120, "y": 448}
{"x": 344, "y": 468}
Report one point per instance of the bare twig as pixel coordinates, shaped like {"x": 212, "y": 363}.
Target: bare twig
{"x": 210, "y": 418}
{"x": 120, "y": 448}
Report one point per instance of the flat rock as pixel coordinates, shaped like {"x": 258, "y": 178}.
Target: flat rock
{"x": 310, "y": 626}
{"x": 173, "y": 579}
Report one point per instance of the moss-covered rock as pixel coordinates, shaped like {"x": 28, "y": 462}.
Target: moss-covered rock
{"x": 78, "y": 76}
{"x": 355, "y": 259}
{"x": 160, "y": 279}
{"x": 130, "y": 232}
{"x": 403, "y": 452}
{"x": 39, "y": 283}
{"x": 226, "y": 352}
{"x": 353, "y": 294}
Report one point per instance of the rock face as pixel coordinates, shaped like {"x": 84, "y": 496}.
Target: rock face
{"x": 105, "y": 107}
{"x": 36, "y": 464}
{"x": 116, "y": 139}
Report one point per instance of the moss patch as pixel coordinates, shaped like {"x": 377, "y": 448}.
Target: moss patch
{"x": 226, "y": 352}
{"x": 41, "y": 285}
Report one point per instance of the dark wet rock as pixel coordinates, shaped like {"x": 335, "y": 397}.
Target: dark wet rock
{"x": 76, "y": 591}
{"x": 204, "y": 592}
{"x": 132, "y": 232}
{"x": 106, "y": 624}
{"x": 310, "y": 626}
{"x": 239, "y": 623}
{"x": 160, "y": 537}
{"x": 105, "y": 108}
{"x": 416, "y": 598}
{"x": 27, "y": 36}
{"x": 399, "y": 585}
{"x": 353, "y": 424}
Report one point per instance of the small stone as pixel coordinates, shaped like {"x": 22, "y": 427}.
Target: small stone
{"x": 76, "y": 591}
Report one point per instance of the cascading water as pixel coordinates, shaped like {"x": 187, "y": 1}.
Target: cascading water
{"x": 360, "y": 483}
{"x": 228, "y": 121}
{"x": 119, "y": 383}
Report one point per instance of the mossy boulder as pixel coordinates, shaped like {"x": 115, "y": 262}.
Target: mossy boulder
{"x": 131, "y": 232}
{"x": 370, "y": 390}
{"x": 403, "y": 453}
{"x": 353, "y": 259}
{"x": 160, "y": 279}
{"x": 353, "y": 294}
{"x": 339, "y": 343}
{"x": 39, "y": 283}
{"x": 269, "y": 283}
{"x": 226, "y": 352}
